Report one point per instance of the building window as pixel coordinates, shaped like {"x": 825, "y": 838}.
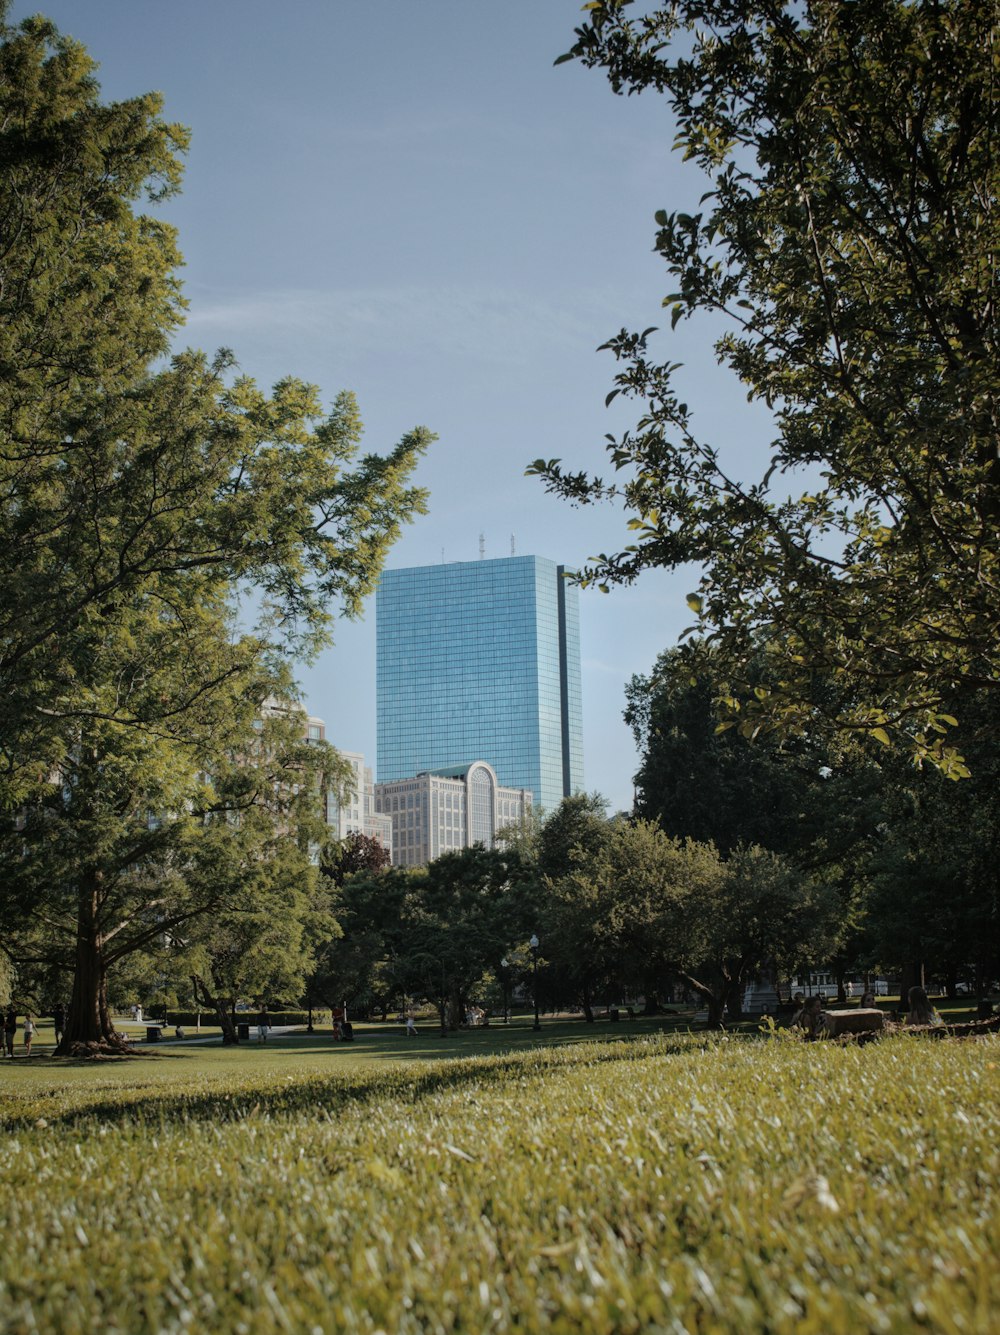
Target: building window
{"x": 481, "y": 801}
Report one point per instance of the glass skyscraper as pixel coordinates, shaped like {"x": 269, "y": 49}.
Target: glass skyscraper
{"x": 480, "y": 660}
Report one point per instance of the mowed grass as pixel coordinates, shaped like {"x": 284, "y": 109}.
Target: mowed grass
{"x": 658, "y": 1183}
{"x": 202, "y": 1057}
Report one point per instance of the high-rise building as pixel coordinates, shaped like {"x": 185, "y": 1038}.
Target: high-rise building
{"x": 480, "y": 660}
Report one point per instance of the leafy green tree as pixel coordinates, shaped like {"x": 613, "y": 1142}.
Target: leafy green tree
{"x": 847, "y": 241}
{"x": 367, "y": 966}
{"x": 561, "y": 851}
{"x": 578, "y": 948}
{"x": 710, "y": 785}
{"x": 140, "y": 506}
{"x": 572, "y": 834}
{"x": 933, "y": 901}
{"x": 345, "y": 969}
{"x": 431, "y": 932}
{"x": 128, "y": 850}
{"x": 644, "y": 905}
{"x": 599, "y": 918}
{"x": 258, "y": 945}
{"x": 465, "y": 910}
{"x": 728, "y": 921}
{"x": 815, "y": 800}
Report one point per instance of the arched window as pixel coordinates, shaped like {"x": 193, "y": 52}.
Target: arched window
{"x": 481, "y": 792}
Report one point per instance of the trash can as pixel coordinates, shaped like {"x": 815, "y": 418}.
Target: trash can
{"x": 243, "y": 1032}
{"x": 152, "y": 1033}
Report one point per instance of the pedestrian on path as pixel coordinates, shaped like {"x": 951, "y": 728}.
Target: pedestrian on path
{"x": 29, "y": 1034}
{"x": 9, "y": 1030}
{"x": 411, "y": 1028}
{"x": 263, "y": 1025}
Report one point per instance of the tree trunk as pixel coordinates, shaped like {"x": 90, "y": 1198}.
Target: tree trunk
{"x": 226, "y": 1014}
{"x": 89, "y": 1030}
{"x": 909, "y": 977}
{"x": 588, "y": 1010}
{"x": 713, "y": 999}
{"x": 220, "y": 1005}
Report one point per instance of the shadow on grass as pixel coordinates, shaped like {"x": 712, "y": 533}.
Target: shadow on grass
{"x": 329, "y": 1095}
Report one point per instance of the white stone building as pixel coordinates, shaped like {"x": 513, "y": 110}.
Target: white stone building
{"x": 440, "y": 810}
{"x": 356, "y": 811}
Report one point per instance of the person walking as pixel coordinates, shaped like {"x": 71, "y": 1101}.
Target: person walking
{"x": 411, "y": 1028}
{"x": 29, "y": 1034}
{"x": 59, "y": 1023}
{"x": 9, "y": 1030}
{"x": 263, "y": 1025}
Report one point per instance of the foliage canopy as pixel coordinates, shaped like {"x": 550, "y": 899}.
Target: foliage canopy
{"x": 171, "y": 536}
{"x": 848, "y": 240}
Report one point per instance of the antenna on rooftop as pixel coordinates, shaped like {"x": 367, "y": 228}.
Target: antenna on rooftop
{"x": 513, "y": 545}
{"x": 482, "y": 545}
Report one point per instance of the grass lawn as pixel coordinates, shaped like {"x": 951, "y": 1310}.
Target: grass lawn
{"x": 499, "y": 1180}
{"x": 203, "y": 1058}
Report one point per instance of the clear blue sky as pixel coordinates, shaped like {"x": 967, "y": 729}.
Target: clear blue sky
{"x": 407, "y": 200}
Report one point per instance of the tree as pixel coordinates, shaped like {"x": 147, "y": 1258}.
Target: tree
{"x": 711, "y": 786}
{"x": 817, "y": 801}
{"x": 572, "y": 834}
{"x": 433, "y": 931}
{"x": 933, "y": 887}
{"x": 140, "y": 506}
{"x": 344, "y": 969}
{"x": 599, "y": 917}
{"x": 128, "y": 492}
{"x": 466, "y": 909}
{"x": 127, "y": 851}
{"x": 848, "y": 242}
{"x": 729, "y": 921}
{"x": 259, "y": 944}
{"x": 355, "y": 854}
{"x": 366, "y": 966}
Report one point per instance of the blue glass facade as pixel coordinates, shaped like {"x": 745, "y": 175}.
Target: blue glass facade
{"x": 480, "y": 660}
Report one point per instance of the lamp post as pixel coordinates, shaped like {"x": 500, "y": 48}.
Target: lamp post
{"x": 533, "y": 947}
{"x": 504, "y": 966}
